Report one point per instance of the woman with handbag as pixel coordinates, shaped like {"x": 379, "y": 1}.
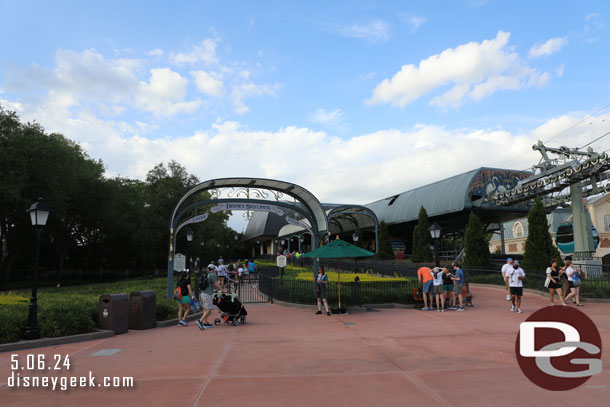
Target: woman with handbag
{"x": 553, "y": 282}
{"x": 320, "y": 282}
{"x": 574, "y": 281}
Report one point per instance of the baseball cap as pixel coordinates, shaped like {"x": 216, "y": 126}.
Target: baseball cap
{"x": 516, "y": 262}
{"x": 211, "y": 266}
{"x": 509, "y": 259}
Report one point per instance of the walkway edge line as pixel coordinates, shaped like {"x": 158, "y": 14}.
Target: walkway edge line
{"x": 62, "y": 340}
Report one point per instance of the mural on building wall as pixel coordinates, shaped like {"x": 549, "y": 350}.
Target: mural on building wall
{"x": 490, "y": 181}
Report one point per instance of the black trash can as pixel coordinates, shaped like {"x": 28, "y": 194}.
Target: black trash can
{"x": 142, "y": 310}
{"x": 114, "y": 311}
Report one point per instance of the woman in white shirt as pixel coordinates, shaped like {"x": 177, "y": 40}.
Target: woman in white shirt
{"x": 574, "y": 283}
{"x": 437, "y": 275}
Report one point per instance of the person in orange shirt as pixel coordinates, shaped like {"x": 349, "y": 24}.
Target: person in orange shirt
{"x": 424, "y": 275}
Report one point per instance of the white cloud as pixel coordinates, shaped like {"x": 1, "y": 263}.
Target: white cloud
{"x": 559, "y": 71}
{"x": 247, "y": 90}
{"x": 549, "y": 47}
{"x": 362, "y": 168}
{"x": 476, "y": 70}
{"x": 208, "y": 83}
{"x": 157, "y": 52}
{"x": 206, "y": 53}
{"x": 373, "y": 31}
{"x": 13, "y": 106}
{"x": 164, "y": 94}
{"x": 415, "y": 22}
{"x": 325, "y": 117}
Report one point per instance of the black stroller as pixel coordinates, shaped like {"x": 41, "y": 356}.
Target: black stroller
{"x": 230, "y": 307}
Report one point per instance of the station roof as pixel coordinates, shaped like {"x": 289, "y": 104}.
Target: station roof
{"x": 451, "y": 195}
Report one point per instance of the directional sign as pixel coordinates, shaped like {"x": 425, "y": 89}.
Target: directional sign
{"x": 299, "y": 223}
{"x": 195, "y": 219}
{"x": 179, "y": 262}
{"x": 281, "y": 261}
{"x": 256, "y": 207}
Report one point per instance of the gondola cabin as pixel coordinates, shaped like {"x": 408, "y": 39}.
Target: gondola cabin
{"x": 565, "y": 238}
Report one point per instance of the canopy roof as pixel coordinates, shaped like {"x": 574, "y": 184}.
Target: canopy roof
{"x": 341, "y": 219}
{"x": 308, "y": 201}
{"x": 455, "y": 194}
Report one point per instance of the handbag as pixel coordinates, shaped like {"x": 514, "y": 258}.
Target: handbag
{"x": 547, "y": 282}
{"x": 576, "y": 280}
{"x": 195, "y": 305}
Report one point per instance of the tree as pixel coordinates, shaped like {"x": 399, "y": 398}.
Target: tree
{"x": 421, "y": 252}
{"x": 385, "y": 251}
{"x": 476, "y": 245}
{"x": 539, "y": 248}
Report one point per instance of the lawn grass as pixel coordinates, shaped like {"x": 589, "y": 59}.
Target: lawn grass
{"x": 73, "y": 310}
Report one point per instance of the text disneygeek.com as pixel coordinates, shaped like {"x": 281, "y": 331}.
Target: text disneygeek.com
{"x": 39, "y": 363}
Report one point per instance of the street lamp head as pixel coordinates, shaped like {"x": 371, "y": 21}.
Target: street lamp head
{"x": 39, "y": 213}
{"x": 355, "y": 237}
{"x": 435, "y": 230}
{"x": 189, "y": 235}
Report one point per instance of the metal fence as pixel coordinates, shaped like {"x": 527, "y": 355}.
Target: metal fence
{"x": 354, "y": 293}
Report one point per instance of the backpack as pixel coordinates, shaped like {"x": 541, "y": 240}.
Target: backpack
{"x": 202, "y": 280}
{"x": 177, "y": 293}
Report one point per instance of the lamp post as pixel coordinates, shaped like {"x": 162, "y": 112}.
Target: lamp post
{"x": 39, "y": 213}
{"x": 189, "y": 239}
{"x": 435, "y": 232}
{"x": 355, "y": 238}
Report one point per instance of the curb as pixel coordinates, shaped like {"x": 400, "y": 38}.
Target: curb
{"x": 174, "y": 322}
{"x": 543, "y": 294}
{"x": 62, "y": 340}
{"x": 362, "y": 308}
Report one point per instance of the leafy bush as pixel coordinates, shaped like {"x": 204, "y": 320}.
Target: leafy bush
{"x": 13, "y": 320}
{"x": 72, "y": 310}
{"x": 67, "y": 315}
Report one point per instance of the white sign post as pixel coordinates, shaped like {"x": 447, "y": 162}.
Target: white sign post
{"x": 280, "y": 261}
{"x": 179, "y": 262}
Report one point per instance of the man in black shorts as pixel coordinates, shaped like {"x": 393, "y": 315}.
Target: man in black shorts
{"x": 515, "y": 281}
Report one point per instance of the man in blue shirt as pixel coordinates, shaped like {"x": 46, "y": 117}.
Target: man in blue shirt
{"x": 458, "y": 283}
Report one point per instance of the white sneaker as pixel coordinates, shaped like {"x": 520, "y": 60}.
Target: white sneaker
{"x": 507, "y": 297}
{"x": 512, "y": 308}
{"x": 564, "y": 304}
{"x": 519, "y": 311}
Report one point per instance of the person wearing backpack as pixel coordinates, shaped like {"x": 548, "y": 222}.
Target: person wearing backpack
{"x": 207, "y": 287}
{"x": 183, "y": 294}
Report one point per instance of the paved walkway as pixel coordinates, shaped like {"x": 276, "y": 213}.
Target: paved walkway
{"x": 289, "y": 357}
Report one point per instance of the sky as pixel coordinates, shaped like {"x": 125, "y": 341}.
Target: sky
{"x": 353, "y": 100}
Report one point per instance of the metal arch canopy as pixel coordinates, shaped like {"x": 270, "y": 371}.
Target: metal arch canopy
{"x": 344, "y": 218}
{"x": 306, "y": 198}
{"x": 308, "y": 204}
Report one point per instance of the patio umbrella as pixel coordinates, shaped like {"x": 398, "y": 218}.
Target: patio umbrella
{"x": 338, "y": 249}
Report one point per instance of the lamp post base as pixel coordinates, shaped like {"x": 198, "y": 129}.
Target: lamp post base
{"x": 32, "y": 331}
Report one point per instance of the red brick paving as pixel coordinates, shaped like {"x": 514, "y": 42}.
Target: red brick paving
{"x": 291, "y": 357}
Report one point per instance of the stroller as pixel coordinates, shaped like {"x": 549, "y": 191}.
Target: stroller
{"x": 230, "y": 307}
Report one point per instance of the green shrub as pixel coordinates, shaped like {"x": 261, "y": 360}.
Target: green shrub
{"x": 67, "y": 315}
{"x": 166, "y": 309}
{"x": 13, "y": 320}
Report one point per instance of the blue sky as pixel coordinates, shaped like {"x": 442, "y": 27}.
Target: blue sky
{"x": 348, "y": 98}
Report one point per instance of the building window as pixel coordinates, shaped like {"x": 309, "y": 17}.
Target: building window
{"x": 517, "y": 230}
{"x": 607, "y": 223}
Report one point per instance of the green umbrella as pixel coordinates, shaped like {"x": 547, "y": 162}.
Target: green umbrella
{"x": 338, "y": 249}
